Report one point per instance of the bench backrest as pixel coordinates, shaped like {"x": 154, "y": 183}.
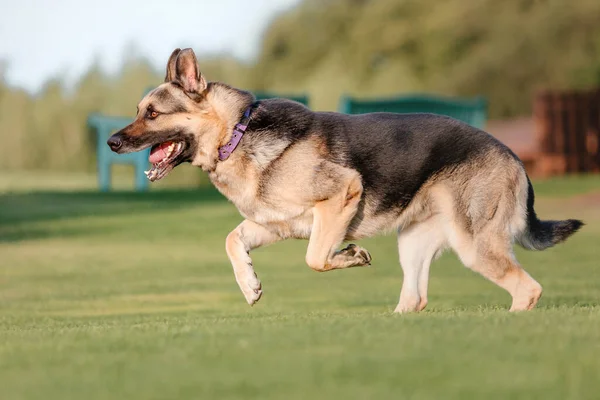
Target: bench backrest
{"x": 471, "y": 111}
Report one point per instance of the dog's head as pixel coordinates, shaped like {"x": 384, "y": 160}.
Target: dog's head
{"x": 172, "y": 119}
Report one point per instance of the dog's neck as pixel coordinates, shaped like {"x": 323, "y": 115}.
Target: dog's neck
{"x": 227, "y": 106}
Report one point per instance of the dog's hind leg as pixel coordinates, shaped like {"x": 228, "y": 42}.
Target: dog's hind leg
{"x": 488, "y": 249}
{"x": 494, "y": 259}
{"x": 247, "y": 236}
{"x": 418, "y": 245}
{"x": 331, "y": 218}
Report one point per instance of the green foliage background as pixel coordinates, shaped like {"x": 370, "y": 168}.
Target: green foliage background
{"x": 504, "y": 50}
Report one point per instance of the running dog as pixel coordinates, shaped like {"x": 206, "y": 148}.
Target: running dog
{"x": 330, "y": 177}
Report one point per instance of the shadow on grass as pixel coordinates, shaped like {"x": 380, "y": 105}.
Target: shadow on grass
{"x": 28, "y": 208}
{"x": 33, "y": 233}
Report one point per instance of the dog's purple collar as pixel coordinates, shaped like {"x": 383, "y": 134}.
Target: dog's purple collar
{"x": 236, "y": 137}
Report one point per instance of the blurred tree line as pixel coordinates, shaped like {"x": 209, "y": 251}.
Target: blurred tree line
{"x": 504, "y": 50}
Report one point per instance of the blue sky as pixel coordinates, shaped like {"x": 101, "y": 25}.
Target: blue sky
{"x": 41, "y": 39}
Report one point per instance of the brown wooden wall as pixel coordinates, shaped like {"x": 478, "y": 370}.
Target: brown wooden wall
{"x": 567, "y": 132}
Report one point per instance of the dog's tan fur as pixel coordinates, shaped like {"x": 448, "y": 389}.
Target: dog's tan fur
{"x": 294, "y": 190}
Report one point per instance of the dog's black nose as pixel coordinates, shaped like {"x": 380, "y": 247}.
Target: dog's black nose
{"x": 115, "y": 143}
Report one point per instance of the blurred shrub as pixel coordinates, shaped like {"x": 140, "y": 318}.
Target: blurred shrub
{"x": 504, "y": 50}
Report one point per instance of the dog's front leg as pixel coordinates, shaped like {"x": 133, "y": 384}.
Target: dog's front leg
{"x": 247, "y": 236}
{"x": 331, "y": 219}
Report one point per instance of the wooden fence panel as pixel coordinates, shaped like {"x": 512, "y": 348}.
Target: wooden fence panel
{"x": 567, "y": 131}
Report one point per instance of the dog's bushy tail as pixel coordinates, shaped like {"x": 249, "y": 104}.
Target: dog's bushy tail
{"x": 540, "y": 235}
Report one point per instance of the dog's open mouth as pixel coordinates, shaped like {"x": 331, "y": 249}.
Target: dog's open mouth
{"x": 162, "y": 157}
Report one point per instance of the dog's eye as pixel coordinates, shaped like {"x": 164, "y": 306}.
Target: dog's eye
{"x": 153, "y": 114}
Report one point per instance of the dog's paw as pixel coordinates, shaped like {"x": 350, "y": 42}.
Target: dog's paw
{"x": 251, "y": 288}
{"x": 360, "y": 254}
{"x": 409, "y": 304}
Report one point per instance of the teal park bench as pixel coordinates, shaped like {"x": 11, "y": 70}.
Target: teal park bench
{"x": 300, "y": 98}
{"x": 105, "y": 126}
{"x": 471, "y": 111}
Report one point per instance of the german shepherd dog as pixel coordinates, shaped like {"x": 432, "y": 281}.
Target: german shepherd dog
{"x": 330, "y": 177}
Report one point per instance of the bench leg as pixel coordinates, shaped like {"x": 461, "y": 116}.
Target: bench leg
{"x": 104, "y": 175}
{"x": 141, "y": 182}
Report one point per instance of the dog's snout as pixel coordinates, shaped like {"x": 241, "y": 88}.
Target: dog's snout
{"x": 115, "y": 143}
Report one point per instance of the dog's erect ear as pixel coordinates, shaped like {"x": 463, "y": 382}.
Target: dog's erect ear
{"x": 171, "y": 65}
{"x": 188, "y": 73}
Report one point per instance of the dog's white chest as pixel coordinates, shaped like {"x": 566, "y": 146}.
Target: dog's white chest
{"x": 279, "y": 213}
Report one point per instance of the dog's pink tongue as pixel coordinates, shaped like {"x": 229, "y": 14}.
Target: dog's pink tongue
{"x": 158, "y": 153}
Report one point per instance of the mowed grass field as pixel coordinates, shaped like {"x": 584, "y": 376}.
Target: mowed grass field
{"x": 131, "y": 296}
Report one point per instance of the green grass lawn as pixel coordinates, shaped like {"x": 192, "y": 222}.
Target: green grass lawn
{"x": 131, "y": 296}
